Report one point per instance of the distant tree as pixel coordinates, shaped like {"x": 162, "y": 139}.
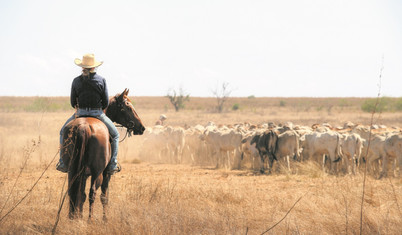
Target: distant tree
{"x": 178, "y": 98}
{"x": 222, "y": 94}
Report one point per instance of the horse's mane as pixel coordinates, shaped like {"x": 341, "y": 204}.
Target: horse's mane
{"x": 126, "y": 97}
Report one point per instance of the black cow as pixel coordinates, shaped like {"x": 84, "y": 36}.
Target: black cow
{"x": 266, "y": 144}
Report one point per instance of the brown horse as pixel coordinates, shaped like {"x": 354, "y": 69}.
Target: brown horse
{"x": 87, "y": 152}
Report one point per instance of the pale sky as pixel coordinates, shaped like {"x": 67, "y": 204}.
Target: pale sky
{"x": 282, "y": 48}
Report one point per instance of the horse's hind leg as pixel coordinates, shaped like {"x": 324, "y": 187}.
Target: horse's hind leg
{"x": 82, "y": 195}
{"x": 72, "y": 193}
{"x": 77, "y": 195}
{"x": 95, "y": 183}
{"x": 105, "y": 195}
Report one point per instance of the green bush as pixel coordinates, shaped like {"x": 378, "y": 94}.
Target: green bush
{"x": 39, "y": 104}
{"x": 344, "y": 103}
{"x": 282, "y": 103}
{"x": 369, "y": 105}
{"x": 383, "y": 104}
{"x": 235, "y": 107}
{"x": 398, "y": 104}
{"x": 45, "y": 104}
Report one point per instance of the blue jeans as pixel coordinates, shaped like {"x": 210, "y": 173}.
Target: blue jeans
{"x": 109, "y": 124}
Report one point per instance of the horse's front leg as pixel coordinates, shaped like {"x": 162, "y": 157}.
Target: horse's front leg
{"x": 95, "y": 184}
{"x": 105, "y": 194}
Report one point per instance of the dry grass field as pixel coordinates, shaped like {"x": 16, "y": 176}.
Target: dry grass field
{"x": 157, "y": 198}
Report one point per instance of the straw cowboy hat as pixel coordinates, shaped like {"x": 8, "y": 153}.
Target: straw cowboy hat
{"x": 88, "y": 61}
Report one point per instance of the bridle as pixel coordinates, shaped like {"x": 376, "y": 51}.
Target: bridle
{"x": 131, "y": 125}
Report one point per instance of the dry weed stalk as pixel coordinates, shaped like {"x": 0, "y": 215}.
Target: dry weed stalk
{"x": 395, "y": 197}
{"x": 346, "y": 214}
{"x": 30, "y": 190}
{"x": 63, "y": 195}
{"x": 368, "y": 145}
{"x": 28, "y": 150}
{"x": 62, "y": 202}
{"x": 273, "y": 226}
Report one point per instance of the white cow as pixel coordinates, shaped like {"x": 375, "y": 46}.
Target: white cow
{"x": 287, "y": 147}
{"x": 194, "y": 150}
{"x": 374, "y": 152}
{"x": 225, "y": 146}
{"x": 393, "y": 152}
{"x": 154, "y": 146}
{"x": 163, "y": 144}
{"x": 175, "y": 141}
{"x": 249, "y": 152}
{"x": 351, "y": 145}
{"x": 316, "y": 145}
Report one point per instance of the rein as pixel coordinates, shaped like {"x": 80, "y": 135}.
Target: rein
{"x": 125, "y": 136}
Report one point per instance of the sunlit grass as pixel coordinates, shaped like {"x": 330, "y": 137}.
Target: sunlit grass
{"x": 157, "y": 198}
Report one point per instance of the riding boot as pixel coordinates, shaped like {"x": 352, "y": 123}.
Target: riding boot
{"x": 113, "y": 164}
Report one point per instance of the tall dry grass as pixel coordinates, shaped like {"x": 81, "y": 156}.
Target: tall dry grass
{"x": 150, "y": 198}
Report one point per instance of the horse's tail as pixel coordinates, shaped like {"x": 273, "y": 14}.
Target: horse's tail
{"x": 81, "y": 141}
{"x": 77, "y": 168}
{"x": 84, "y": 136}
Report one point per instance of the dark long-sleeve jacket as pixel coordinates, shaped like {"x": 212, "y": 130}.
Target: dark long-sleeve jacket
{"x": 89, "y": 92}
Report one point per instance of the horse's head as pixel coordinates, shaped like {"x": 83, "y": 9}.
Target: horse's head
{"x": 122, "y": 111}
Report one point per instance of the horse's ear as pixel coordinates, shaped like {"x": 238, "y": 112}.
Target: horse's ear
{"x": 127, "y": 91}
{"x": 121, "y": 96}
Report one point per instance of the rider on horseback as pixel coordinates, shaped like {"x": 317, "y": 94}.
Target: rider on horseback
{"x": 89, "y": 95}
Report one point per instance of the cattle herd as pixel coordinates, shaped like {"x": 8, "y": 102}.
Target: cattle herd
{"x": 268, "y": 147}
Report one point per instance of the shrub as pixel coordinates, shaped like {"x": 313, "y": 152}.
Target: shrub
{"x": 344, "y": 103}
{"x": 319, "y": 108}
{"x": 369, "y": 105}
{"x": 235, "y": 107}
{"x": 282, "y": 103}
{"x": 383, "y": 104}
{"x": 46, "y": 104}
{"x": 398, "y": 104}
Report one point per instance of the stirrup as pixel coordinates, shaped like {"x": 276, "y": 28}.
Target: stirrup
{"x": 62, "y": 169}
